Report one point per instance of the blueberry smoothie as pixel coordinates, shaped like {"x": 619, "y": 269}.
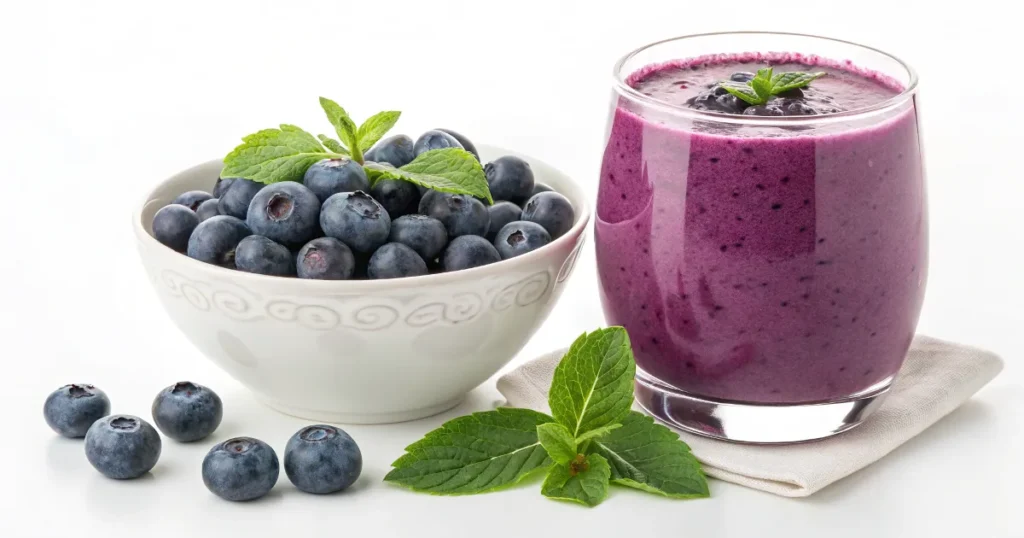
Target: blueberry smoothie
{"x": 763, "y": 262}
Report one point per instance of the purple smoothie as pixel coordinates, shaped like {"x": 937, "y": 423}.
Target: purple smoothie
{"x": 762, "y": 263}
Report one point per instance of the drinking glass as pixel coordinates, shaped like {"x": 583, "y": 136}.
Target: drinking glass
{"x": 769, "y": 270}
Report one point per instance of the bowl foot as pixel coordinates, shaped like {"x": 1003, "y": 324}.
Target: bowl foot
{"x": 339, "y": 417}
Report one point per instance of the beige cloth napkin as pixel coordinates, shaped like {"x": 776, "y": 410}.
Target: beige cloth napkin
{"x": 936, "y": 378}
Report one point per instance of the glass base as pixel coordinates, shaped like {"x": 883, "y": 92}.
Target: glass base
{"x": 757, "y": 423}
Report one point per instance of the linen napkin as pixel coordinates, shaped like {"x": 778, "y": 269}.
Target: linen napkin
{"x": 936, "y": 378}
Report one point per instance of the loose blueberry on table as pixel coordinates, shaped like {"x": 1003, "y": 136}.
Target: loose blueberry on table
{"x": 322, "y": 459}
{"x": 290, "y": 204}
{"x": 122, "y": 446}
{"x": 71, "y": 409}
{"x": 241, "y": 469}
{"x": 187, "y": 412}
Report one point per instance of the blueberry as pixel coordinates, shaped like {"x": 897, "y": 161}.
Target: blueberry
{"x": 192, "y": 199}
{"x": 461, "y": 214}
{"x": 395, "y": 260}
{"x": 396, "y": 196}
{"x": 286, "y": 212}
{"x": 796, "y": 107}
{"x": 241, "y": 469}
{"x": 322, "y": 459}
{"x": 355, "y": 219}
{"x": 537, "y": 189}
{"x": 717, "y": 100}
{"x": 208, "y": 209}
{"x": 71, "y": 409}
{"x": 520, "y": 237}
{"x": 122, "y": 446}
{"x": 260, "y": 255}
{"x": 395, "y": 150}
{"x": 509, "y": 178}
{"x": 173, "y": 225}
{"x": 435, "y": 139}
{"x": 425, "y": 235}
{"x": 468, "y": 251}
{"x": 742, "y": 76}
{"x": 764, "y": 110}
{"x": 187, "y": 412}
{"x": 222, "y": 186}
{"x": 466, "y": 144}
{"x": 501, "y": 214}
{"x": 331, "y": 176}
{"x": 215, "y": 239}
{"x": 325, "y": 258}
{"x": 794, "y": 93}
{"x": 552, "y": 211}
{"x": 235, "y": 200}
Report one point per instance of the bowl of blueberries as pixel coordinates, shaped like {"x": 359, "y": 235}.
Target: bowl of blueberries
{"x": 352, "y": 292}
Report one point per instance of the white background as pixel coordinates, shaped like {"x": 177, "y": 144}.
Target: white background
{"x": 99, "y": 100}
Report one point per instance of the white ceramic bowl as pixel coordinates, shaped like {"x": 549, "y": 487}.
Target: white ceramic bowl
{"x": 360, "y": 352}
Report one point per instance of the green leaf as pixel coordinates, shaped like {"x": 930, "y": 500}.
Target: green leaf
{"x": 648, "y": 456}
{"x": 274, "y": 155}
{"x": 557, "y": 440}
{"x": 597, "y": 433}
{"x": 584, "y": 480}
{"x": 789, "y": 81}
{"x": 593, "y": 383}
{"x": 374, "y": 128}
{"x": 343, "y": 125}
{"x": 762, "y": 84}
{"x": 474, "y": 454}
{"x": 451, "y": 170}
{"x": 744, "y": 92}
{"x": 377, "y": 171}
{"x": 332, "y": 144}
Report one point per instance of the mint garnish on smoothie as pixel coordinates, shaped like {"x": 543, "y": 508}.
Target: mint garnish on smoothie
{"x": 592, "y": 440}
{"x": 766, "y": 85}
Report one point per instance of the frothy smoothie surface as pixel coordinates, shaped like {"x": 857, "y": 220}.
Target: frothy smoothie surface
{"x": 781, "y": 266}
{"x": 845, "y": 87}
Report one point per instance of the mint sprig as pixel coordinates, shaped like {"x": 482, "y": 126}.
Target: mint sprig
{"x": 453, "y": 170}
{"x": 285, "y": 153}
{"x": 583, "y": 480}
{"x": 766, "y": 85}
{"x": 592, "y": 441}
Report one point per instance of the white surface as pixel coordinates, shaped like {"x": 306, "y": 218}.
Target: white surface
{"x": 340, "y": 351}
{"x": 99, "y": 100}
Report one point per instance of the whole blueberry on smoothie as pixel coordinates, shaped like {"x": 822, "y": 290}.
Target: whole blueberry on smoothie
{"x": 754, "y": 252}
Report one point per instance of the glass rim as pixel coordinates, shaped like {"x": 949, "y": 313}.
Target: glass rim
{"x": 627, "y": 91}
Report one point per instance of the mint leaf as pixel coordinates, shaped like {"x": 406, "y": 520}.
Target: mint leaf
{"x": 377, "y": 171}
{"x": 274, "y": 155}
{"x": 597, "y": 433}
{"x": 583, "y": 480}
{"x": 451, "y": 170}
{"x": 593, "y": 383}
{"x": 746, "y": 93}
{"x": 762, "y": 84}
{"x": 790, "y": 81}
{"x": 557, "y": 440}
{"x": 765, "y": 85}
{"x": 344, "y": 126}
{"x": 375, "y": 127}
{"x": 474, "y": 454}
{"x": 332, "y": 144}
{"x": 648, "y": 456}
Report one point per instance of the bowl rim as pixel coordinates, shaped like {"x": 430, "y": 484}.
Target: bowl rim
{"x": 582, "y": 208}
